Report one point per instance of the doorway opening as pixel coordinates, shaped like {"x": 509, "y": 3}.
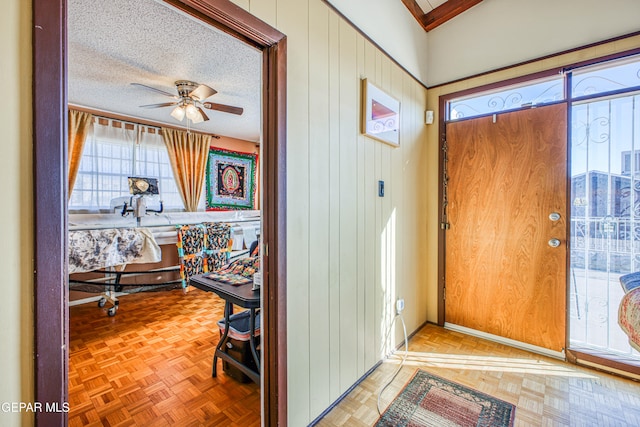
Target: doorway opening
{"x": 50, "y": 160}
{"x": 600, "y": 215}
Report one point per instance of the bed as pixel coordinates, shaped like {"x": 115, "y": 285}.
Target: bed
{"x": 107, "y": 252}
{"x": 91, "y": 250}
{"x": 629, "y": 310}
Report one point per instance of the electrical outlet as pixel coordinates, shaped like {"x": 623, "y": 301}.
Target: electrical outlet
{"x": 399, "y": 305}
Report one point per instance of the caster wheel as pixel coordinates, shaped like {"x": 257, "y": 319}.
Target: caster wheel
{"x": 112, "y": 311}
{"x": 102, "y": 302}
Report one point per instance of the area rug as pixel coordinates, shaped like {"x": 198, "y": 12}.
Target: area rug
{"x": 428, "y": 400}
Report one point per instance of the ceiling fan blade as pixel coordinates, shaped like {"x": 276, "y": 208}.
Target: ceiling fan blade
{"x": 172, "y": 95}
{"x": 204, "y": 116}
{"x": 202, "y": 92}
{"x": 164, "y": 104}
{"x": 222, "y": 107}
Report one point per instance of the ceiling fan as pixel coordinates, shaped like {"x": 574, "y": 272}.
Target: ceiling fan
{"x": 190, "y": 100}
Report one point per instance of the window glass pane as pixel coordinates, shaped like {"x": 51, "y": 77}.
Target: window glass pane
{"x": 514, "y": 97}
{"x": 111, "y": 155}
{"x": 605, "y": 218}
{"x": 607, "y": 77}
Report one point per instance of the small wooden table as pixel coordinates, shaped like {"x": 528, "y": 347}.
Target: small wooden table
{"x": 243, "y": 296}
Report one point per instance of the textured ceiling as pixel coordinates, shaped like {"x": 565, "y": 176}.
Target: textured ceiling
{"x": 114, "y": 43}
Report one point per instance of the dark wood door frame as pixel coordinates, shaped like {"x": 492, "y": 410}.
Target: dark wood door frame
{"x": 51, "y": 335}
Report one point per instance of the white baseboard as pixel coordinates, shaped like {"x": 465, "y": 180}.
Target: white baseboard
{"x": 507, "y": 341}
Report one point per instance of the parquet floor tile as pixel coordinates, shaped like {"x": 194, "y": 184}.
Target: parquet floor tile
{"x": 546, "y": 391}
{"x": 150, "y": 365}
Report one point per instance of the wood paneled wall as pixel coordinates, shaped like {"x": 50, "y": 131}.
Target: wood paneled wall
{"x": 350, "y": 252}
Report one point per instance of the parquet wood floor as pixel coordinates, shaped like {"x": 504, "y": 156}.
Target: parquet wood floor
{"x": 150, "y": 365}
{"x": 546, "y": 391}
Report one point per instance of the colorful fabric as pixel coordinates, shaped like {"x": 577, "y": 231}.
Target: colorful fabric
{"x": 218, "y": 244}
{"x": 95, "y": 249}
{"x": 190, "y": 244}
{"x": 190, "y": 240}
{"x": 629, "y": 317}
{"x": 202, "y": 248}
{"x": 239, "y": 272}
{"x": 239, "y": 326}
{"x": 231, "y": 180}
{"x": 216, "y": 261}
{"x": 218, "y": 235}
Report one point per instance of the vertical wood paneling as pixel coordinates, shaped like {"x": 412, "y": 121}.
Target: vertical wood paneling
{"x": 338, "y": 311}
{"x": 242, "y": 3}
{"x": 386, "y": 221}
{"x": 334, "y": 205}
{"x": 378, "y": 333}
{"x": 370, "y": 212}
{"x": 348, "y": 140}
{"x": 17, "y": 159}
{"x": 265, "y": 9}
{"x": 397, "y": 208}
{"x": 406, "y": 230}
{"x": 361, "y": 197}
{"x": 319, "y": 247}
{"x": 292, "y": 17}
{"x": 413, "y": 217}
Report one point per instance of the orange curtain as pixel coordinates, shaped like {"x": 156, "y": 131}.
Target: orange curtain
{"x": 188, "y": 156}
{"x": 80, "y": 125}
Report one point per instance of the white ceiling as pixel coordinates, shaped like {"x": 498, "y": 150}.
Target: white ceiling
{"x": 114, "y": 43}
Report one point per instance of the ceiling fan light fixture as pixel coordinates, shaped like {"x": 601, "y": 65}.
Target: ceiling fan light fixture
{"x": 192, "y": 112}
{"x": 198, "y": 118}
{"x": 191, "y": 101}
{"x": 178, "y": 113}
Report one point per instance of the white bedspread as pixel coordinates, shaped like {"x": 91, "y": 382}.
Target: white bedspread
{"x": 95, "y": 249}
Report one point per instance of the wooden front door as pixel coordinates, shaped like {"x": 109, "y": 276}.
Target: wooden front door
{"x": 507, "y": 176}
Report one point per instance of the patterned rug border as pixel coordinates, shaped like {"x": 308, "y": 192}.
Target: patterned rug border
{"x": 387, "y": 418}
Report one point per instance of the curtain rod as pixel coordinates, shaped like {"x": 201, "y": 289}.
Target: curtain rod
{"x": 132, "y": 120}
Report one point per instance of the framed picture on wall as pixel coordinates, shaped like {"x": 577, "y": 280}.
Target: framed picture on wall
{"x": 380, "y": 114}
{"x": 231, "y": 180}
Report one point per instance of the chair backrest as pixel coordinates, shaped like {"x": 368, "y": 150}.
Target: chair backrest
{"x": 202, "y": 248}
{"x": 218, "y": 243}
{"x": 190, "y": 244}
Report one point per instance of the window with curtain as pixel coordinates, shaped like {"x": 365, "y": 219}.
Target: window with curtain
{"x": 114, "y": 152}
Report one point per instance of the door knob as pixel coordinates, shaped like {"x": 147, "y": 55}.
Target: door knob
{"x": 554, "y": 243}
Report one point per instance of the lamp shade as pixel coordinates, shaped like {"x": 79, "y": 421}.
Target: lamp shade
{"x": 192, "y": 112}
{"x": 178, "y": 113}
